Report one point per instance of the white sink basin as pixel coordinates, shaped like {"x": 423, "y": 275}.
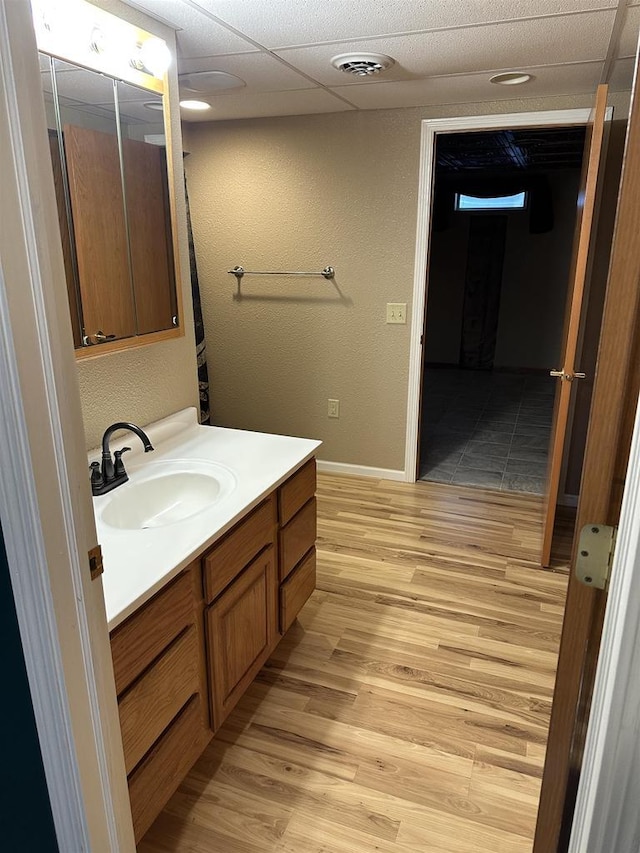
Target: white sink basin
{"x": 163, "y": 493}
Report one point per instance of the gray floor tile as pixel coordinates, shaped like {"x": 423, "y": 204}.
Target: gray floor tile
{"x": 532, "y": 429}
{"x": 522, "y": 483}
{"x": 487, "y": 448}
{"x": 438, "y": 474}
{"x": 539, "y": 442}
{"x": 526, "y": 466}
{"x": 494, "y": 436}
{"x": 443, "y": 457}
{"x": 474, "y": 477}
{"x": 530, "y": 454}
{"x": 535, "y": 420}
{"x": 482, "y": 462}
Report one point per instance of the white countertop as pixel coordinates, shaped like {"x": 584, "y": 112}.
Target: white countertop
{"x": 138, "y": 563}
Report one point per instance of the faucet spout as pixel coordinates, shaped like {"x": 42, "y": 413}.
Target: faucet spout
{"x": 109, "y": 476}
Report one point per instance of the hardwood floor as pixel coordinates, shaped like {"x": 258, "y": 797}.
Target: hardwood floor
{"x": 407, "y": 708}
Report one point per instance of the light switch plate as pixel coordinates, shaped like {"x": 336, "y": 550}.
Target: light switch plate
{"x": 396, "y": 312}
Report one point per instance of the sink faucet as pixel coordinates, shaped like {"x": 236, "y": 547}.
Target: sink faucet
{"x": 112, "y": 473}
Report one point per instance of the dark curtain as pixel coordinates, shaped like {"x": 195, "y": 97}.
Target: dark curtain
{"x": 540, "y": 206}
{"x": 201, "y": 347}
{"x": 485, "y": 257}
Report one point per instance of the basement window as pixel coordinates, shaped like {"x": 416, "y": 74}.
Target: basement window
{"x": 496, "y": 202}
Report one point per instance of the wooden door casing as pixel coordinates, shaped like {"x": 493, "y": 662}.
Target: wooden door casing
{"x": 615, "y": 394}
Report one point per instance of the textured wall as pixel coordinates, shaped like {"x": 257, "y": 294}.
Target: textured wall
{"x": 150, "y": 382}
{"x": 298, "y": 193}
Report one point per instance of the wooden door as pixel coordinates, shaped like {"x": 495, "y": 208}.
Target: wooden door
{"x": 615, "y": 396}
{"x": 145, "y": 180}
{"x": 566, "y": 371}
{"x": 97, "y": 205}
{"x": 242, "y": 627}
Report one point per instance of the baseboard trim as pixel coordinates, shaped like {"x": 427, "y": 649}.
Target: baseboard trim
{"x": 326, "y": 467}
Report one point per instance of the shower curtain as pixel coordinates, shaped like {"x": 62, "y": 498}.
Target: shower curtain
{"x": 201, "y": 347}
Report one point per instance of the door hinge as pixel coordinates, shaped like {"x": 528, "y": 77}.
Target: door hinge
{"x": 596, "y": 546}
{"x": 95, "y": 562}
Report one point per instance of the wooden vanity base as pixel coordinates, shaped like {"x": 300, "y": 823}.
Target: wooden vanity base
{"x": 184, "y": 659}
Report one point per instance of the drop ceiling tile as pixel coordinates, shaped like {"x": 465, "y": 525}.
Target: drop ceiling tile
{"x": 275, "y": 23}
{"x": 248, "y": 105}
{"x": 198, "y": 34}
{"x": 629, "y": 36}
{"x": 622, "y": 75}
{"x": 260, "y": 71}
{"x": 544, "y": 41}
{"x": 81, "y": 85}
{"x": 473, "y": 88}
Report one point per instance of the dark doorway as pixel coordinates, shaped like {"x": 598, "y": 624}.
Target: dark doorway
{"x": 503, "y": 221}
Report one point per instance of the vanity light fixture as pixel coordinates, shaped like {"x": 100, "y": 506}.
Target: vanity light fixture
{"x": 87, "y": 35}
{"x": 511, "y": 78}
{"x": 195, "y": 105}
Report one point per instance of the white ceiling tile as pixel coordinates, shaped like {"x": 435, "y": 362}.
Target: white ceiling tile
{"x": 198, "y": 34}
{"x": 282, "y": 22}
{"x": 473, "y": 88}
{"x": 248, "y": 105}
{"x": 622, "y": 75}
{"x": 518, "y": 45}
{"x": 629, "y": 36}
{"x": 260, "y": 71}
{"x": 82, "y": 85}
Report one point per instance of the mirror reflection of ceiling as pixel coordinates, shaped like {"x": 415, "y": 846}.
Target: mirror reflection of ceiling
{"x": 445, "y": 51}
{"x": 89, "y": 91}
{"x": 529, "y": 150}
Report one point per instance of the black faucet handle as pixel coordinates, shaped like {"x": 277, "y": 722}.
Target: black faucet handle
{"x": 97, "y": 479}
{"x": 118, "y": 465}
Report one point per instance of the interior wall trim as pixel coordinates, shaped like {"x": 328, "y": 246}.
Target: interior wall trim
{"x": 44, "y": 505}
{"x": 430, "y": 129}
{"x": 326, "y": 467}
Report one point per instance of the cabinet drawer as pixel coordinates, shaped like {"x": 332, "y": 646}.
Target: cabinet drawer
{"x": 241, "y": 633}
{"x": 140, "y": 639}
{"x": 229, "y": 556}
{"x": 158, "y": 776}
{"x": 298, "y": 489}
{"x": 148, "y": 707}
{"x": 295, "y": 591}
{"x": 296, "y": 538}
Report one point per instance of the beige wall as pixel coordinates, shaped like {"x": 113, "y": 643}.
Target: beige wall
{"x": 150, "y": 382}
{"x": 298, "y": 193}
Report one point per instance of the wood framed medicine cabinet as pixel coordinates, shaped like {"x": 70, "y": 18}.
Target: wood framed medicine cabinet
{"x": 110, "y": 144}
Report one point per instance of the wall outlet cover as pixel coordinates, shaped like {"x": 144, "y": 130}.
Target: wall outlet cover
{"x": 333, "y": 408}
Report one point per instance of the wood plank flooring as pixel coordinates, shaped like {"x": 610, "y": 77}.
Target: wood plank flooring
{"x": 407, "y": 709}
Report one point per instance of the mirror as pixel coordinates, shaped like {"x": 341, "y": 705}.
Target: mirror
{"x": 106, "y": 139}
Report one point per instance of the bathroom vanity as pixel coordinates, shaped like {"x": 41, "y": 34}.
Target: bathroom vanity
{"x": 197, "y": 604}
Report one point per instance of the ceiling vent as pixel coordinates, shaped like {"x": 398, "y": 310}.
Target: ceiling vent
{"x": 362, "y": 64}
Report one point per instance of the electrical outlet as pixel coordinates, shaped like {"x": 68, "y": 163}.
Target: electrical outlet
{"x": 333, "y": 408}
{"x": 396, "y": 312}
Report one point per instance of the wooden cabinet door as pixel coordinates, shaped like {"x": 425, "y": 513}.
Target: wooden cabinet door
{"x": 241, "y": 633}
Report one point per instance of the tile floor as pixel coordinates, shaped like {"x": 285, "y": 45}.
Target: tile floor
{"x": 486, "y": 429}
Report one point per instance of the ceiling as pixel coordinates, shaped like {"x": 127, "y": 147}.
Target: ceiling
{"x": 444, "y": 50}
{"x": 530, "y": 150}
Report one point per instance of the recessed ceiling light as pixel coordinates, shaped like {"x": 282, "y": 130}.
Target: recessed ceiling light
{"x": 362, "y": 64}
{"x": 154, "y": 105}
{"x": 207, "y": 82}
{"x": 195, "y": 105}
{"x": 511, "y": 78}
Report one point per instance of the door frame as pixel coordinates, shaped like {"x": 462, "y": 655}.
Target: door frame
{"x": 430, "y": 128}
{"x": 45, "y": 501}
{"x": 606, "y": 813}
